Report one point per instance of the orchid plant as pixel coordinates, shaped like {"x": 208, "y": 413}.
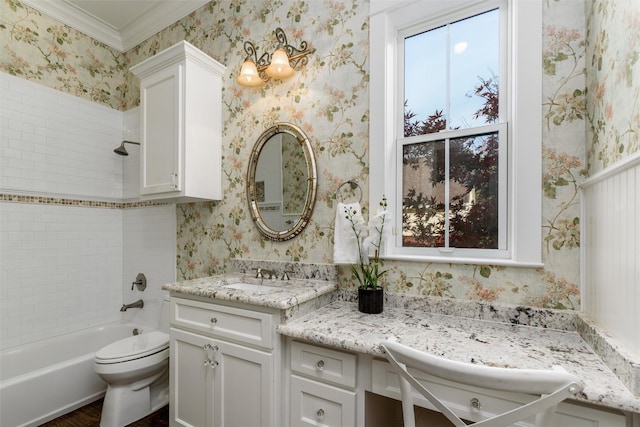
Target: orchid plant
{"x": 368, "y": 271}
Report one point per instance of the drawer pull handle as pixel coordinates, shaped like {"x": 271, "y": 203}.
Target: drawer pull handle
{"x": 320, "y": 413}
{"x": 475, "y": 403}
{"x": 214, "y": 320}
{"x": 320, "y": 366}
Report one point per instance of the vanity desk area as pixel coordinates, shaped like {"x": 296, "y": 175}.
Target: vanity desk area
{"x": 354, "y": 337}
{"x": 297, "y": 352}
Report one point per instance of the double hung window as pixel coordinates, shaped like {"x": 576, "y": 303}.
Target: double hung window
{"x": 453, "y": 155}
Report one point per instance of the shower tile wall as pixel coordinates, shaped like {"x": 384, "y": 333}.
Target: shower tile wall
{"x": 57, "y": 144}
{"x": 70, "y": 246}
{"x": 131, "y": 163}
{"x": 149, "y": 248}
{"x": 61, "y": 270}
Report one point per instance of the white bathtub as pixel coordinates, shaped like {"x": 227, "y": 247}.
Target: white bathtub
{"x": 43, "y": 380}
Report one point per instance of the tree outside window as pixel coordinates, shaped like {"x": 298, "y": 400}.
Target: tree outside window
{"x": 450, "y": 174}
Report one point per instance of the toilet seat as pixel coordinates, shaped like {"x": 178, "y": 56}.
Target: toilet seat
{"x": 133, "y": 347}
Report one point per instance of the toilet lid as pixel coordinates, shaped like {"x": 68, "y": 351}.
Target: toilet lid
{"x": 133, "y": 347}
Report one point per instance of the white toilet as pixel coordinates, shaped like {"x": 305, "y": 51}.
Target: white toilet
{"x": 136, "y": 370}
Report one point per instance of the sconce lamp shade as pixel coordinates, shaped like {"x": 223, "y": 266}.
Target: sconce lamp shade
{"x": 279, "y": 67}
{"x": 249, "y": 74}
{"x": 256, "y": 71}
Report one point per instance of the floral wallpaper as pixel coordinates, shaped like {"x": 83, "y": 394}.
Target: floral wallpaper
{"x": 613, "y": 71}
{"x": 41, "y": 49}
{"x": 329, "y": 100}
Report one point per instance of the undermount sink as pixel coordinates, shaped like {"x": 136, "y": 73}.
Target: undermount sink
{"x": 250, "y": 287}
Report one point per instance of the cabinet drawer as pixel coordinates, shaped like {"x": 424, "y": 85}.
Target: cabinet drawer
{"x": 328, "y": 365}
{"x": 476, "y": 404}
{"x": 222, "y": 321}
{"x": 314, "y": 404}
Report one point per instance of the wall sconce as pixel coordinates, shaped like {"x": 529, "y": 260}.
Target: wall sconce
{"x": 280, "y": 65}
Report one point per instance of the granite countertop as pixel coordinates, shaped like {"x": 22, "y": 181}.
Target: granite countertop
{"x": 340, "y": 324}
{"x": 279, "y": 294}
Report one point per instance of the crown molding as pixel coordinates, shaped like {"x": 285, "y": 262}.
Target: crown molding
{"x": 134, "y": 33}
{"x": 156, "y": 20}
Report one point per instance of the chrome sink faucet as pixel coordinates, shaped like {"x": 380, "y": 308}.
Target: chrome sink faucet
{"x": 262, "y": 271}
{"x": 137, "y": 304}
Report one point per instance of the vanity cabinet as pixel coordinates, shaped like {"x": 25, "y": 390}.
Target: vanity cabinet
{"x": 474, "y": 403}
{"x": 224, "y": 365}
{"x": 181, "y": 124}
{"x": 322, "y": 386}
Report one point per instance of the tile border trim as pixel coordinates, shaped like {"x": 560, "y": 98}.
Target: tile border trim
{"x": 63, "y": 201}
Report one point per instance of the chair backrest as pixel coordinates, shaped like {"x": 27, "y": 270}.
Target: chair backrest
{"x": 552, "y": 385}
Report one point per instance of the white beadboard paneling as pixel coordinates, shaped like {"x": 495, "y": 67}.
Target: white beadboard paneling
{"x": 611, "y": 254}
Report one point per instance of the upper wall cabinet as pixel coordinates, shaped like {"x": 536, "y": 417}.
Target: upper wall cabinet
{"x": 181, "y": 124}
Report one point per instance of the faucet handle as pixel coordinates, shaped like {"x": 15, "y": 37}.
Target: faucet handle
{"x": 141, "y": 282}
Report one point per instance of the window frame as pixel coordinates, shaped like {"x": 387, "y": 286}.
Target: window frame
{"x": 523, "y": 111}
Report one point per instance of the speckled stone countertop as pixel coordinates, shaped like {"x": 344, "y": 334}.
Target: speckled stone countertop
{"x": 340, "y": 324}
{"x": 295, "y": 297}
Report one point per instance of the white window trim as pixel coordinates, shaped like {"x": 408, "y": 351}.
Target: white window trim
{"x": 525, "y": 122}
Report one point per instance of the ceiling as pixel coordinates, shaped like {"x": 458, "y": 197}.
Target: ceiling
{"x": 121, "y": 24}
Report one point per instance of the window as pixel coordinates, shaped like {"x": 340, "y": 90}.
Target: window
{"x": 455, "y": 135}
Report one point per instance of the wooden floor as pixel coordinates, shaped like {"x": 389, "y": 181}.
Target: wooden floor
{"x": 89, "y": 416}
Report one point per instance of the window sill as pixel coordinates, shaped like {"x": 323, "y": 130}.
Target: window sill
{"x": 470, "y": 261}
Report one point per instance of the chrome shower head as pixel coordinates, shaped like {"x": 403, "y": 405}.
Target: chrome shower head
{"x": 123, "y": 151}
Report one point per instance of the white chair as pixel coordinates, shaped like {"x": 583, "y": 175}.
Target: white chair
{"x": 553, "y": 386}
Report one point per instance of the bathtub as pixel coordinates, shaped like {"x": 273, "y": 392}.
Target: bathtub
{"x": 43, "y": 380}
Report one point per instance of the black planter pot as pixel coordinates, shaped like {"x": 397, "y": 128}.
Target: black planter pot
{"x": 370, "y": 301}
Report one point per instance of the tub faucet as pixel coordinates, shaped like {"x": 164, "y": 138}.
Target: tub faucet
{"x": 137, "y": 304}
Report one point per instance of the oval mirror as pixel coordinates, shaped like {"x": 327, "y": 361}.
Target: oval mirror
{"x": 282, "y": 182}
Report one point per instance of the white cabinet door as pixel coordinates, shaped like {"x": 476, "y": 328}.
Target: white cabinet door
{"x": 181, "y": 124}
{"x": 191, "y": 379}
{"x": 244, "y": 387}
{"x": 160, "y": 100}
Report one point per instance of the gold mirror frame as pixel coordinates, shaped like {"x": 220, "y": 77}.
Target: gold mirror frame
{"x": 312, "y": 183}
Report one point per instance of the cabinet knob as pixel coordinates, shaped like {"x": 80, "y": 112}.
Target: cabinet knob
{"x": 320, "y": 365}
{"x": 475, "y": 403}
{"x": 320, "y": 413}
{"x": 211, "y": 363}
{"x": 214, "y": 320}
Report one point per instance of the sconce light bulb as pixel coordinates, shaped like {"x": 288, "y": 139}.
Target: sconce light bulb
{"x": 249, "y": 75}
{"x": 279, "y": 68}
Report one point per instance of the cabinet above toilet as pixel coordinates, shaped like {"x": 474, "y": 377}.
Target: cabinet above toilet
{"x": 180, "y": 124}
